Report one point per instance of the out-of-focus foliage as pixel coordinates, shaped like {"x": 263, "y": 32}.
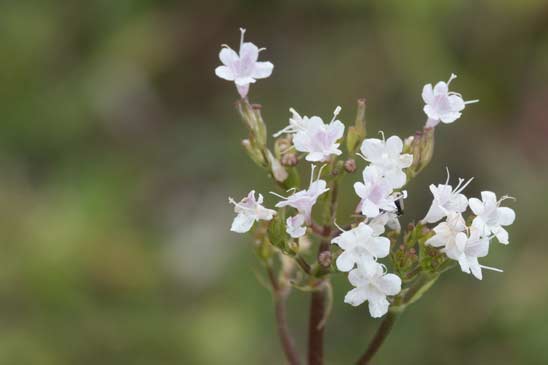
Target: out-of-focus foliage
{"x": 119, "y": 147}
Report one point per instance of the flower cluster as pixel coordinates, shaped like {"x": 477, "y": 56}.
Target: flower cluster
{"x": 373, "y": 230}
{"x": 458, "y": 241}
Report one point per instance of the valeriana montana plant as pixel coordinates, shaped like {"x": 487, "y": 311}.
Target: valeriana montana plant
{"x": 298, "y": 239}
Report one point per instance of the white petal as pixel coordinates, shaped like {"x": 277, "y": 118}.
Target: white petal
{"x": 394, "y": 145}
{"x": 390, "y": 284}
{"x": 506, "y": 216}
{"x": 379, "y": 246}
{"x": 249, "y": 52}
{"x": 242, "y": 223}
{"x": 228, "y": 56}
{"x": 476, "y": 205}
{"x": 456, "y": 103}
{"x": 441, "y": 88}
{"x": 449, "y": 118}
{"x": 501, "y": 234}
{"x": 435, "y": 213}
{"x": 224, "y": 72}
{"x": 372, "y": 148}
{"x": 262, "y": 70}
{"x": 427, "y": 94}
{"x": 345, "y": 261}
{"x": 360, "y": 189}
{"x": 489, "y": 197}
{"x": 355, "y": 297}
{"x": 369, "y": 209}
{"x": 378, "y": 306}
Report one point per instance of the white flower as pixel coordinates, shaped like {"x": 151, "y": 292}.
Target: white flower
{"x": 490, "y": 217}
{"x": 304, "y": 200}
{"x": 387, "y": 156}
{"x": 243, "y": 68}
{"x": 466, "y": 251}
{"x": 372, "y": 284}
{"x": 295, "y": 226}
{"x": 441, "y": 104}
{"x": 249, "y": 210}
{"x": 360, "y": 244}
{"x": 446, "y": 232}
{"x": 318, "y": 139}
{"x": 375, "y": 193}
{"x": 388, "y": 219}
{"x": 446, "y": 200}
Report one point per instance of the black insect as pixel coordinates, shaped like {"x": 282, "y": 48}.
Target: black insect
{"x": 399, "y": 206}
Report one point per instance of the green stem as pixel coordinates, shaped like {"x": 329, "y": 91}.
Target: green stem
{"x": 375, "y": 344}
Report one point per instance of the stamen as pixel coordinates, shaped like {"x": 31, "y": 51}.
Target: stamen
{"x": 312, "y": 174}
{"x": 490, "y": 268}
{"x": 242, "y": 30}
{"x": 278, "y": 195}
{"x": 287, "y": 149}
{"x": 339, "y": 227}
{"x": 289, "y": 190}
{"x": 472, "y": 101}
{"x": 448, "y": 176}
{"x": 464, "y": 186}
{"x": 362, "y": 156}
{"x": 336, "y": 112}
{"x": 320, "y": 171}
{"x": 505, "y": 197}
{"x": 451, "y": 78}
{"x": 382, "y": 134}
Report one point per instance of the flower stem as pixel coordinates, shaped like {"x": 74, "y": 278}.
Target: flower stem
{"x": 315, "y": 327}
{"x": 383, "y": 331}
{"x": 280, "y": 294}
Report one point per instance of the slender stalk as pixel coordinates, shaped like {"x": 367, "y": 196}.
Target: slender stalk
{"x": 280, "y": 294}
{"x": 375, "y": 344}
{"x": 315, "y": 327}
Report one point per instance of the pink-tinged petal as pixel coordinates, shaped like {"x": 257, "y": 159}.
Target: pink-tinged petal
{"x": 242, "y": 223}
{"x": 228, "y": 57}
{"x": 262, "y": 70}
{"x": 355, "y": 297}
{"x": 476, "y": 205}
{"x": 478, "y": 249}
{"x": 243, "y": 81}
{"x": 479, "y": 223}
{"x": 243, "y": 90}
{"x": 506, "y": 216}
{"x": 345, "y": 261}
{"x": 390, "y": 284}
{"x": 225, "y": 73}
{"x": 456, "y": 103}
{"x": 428, "y": 94}
{"x": 449, "y": 118}
{"x": 432, "y": 113}
{"x": 431, "y": 123}
{"x": 441, "y": 88}
{"x": 460, "y": 241}
{"x": 394, "y": 145}
{"x": 360, "y": 190}
{"x": 249, "y": 52}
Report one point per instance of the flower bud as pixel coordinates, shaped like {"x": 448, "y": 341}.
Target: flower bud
{"x": 350, "y": 165}
{"x": 357, "y": 132}
{"x": 325, "y": 258}
{"x": 289, "y": 159}
{"x": 278, "y": 171}
{"x": 252, "y": 118}
{"x": 421, "y": 146}
{"x": 254, "y": 153}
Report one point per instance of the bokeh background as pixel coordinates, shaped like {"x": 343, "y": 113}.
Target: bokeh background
{"x": 119, "y": 147}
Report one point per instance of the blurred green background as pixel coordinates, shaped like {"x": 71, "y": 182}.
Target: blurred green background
{"x": 119, "y": 147}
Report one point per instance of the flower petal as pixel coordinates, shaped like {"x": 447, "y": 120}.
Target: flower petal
{"x": 345, "y": 261}
{"x": 355, "y": 297}
{"x": 262, "y": 70}
{"x": 242, "y": 223}
{"x": 225, "y": 73}
{"x": 228, "y": 56}
{"x": 428, "y": 94}
{"x": 390, "y": 284}
{"x": 506, "y": 216}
